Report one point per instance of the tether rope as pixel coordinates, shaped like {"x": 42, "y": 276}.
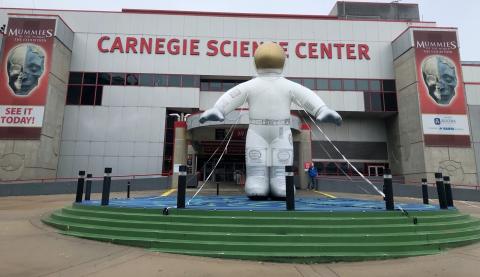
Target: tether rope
{"x": 338, "y": 151}
{"x": 232, "y": 128}
{"x": 346, "y": 160}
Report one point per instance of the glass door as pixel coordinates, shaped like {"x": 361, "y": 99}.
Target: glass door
{"x": 375, "y": 170}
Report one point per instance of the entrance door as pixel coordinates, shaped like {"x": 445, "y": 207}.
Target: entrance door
{"x": 225, "y": 171}
{"x": 375, "y": 170}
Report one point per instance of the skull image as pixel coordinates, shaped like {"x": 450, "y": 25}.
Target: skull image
{"x": 25, "y": 65}
{"x": 440, "y": 77}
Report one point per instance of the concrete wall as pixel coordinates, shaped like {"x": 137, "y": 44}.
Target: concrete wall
{"x": 405, "y": 138}
{"x": 128, "y": 139}
{"x": 70, "y": 187}
{"x": 353, "y": 129}
{"x": 471, "y": 77}
{"x": 28, "y": 159}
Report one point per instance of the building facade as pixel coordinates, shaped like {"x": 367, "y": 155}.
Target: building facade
{"x": 116, "y": 88}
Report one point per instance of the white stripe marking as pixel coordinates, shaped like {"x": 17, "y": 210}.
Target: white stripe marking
{"x": 468, "y": 204}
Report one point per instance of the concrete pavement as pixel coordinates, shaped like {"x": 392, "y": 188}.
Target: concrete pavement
{"x": 30, "y": 248}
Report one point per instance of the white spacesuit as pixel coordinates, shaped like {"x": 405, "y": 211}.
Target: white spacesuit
{"x": 269, "y": 146}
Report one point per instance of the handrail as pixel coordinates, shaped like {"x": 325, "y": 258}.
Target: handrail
{"x": 59, "y": 179}
{"x": 432, "y": 184}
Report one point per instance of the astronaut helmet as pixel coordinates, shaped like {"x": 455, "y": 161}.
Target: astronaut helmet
{"x": 439, "y": 75}
{"x": 25, "y": 65}
{"x": 269, "y": 55}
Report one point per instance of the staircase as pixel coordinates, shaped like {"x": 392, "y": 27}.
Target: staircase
{"x": 272, "y": 236}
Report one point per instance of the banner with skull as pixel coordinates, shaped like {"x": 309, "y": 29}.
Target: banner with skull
{"x": 26, "y": 61}
{"x": 440, "y": 87}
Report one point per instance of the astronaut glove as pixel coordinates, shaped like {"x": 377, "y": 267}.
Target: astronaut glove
{"x": 212, "y": 114}
{"x": 325, "y": 114}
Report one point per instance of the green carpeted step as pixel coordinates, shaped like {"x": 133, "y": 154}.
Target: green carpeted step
{"x": 274, "y": 236}
{"x": 329, "y": 220}
{"x": 283, "y": 214}
{"x": 279, "y": 229}
{"x": 297, "y": 257}
{"x": 259, "y": 237}
{"x": 282, "y": 247}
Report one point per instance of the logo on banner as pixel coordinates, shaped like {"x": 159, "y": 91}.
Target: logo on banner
{"x": 436, "y": 121}
{"x": 25, "y": 65}
{"x": 440, "y": 77}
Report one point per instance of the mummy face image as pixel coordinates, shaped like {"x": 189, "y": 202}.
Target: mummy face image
{"x": 25, "y": 65}
{"x": 439, "y": 75}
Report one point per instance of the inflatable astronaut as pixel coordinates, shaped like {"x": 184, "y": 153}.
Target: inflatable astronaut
{"x": 269, "y": 146}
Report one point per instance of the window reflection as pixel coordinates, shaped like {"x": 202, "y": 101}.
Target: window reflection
{"x": 379, "y": 95}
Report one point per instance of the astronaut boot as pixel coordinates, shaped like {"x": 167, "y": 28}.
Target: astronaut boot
{"x": 256, "y": 184}
{"x": 278, "y": 184}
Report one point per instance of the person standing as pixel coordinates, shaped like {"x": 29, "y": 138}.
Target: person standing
{"x": 312, "y": 173}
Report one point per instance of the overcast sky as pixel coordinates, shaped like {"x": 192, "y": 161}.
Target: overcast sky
{"x": 463, "y": 14}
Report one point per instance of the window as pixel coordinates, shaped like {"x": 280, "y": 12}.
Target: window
{"x": 98, "y": 96}
{"x": 375, "y": 85}
{"x": 389, "y": 85}
{"x": 118, "y": 79}
{"x": 132, "y": 79}
{"x": 335, "y": 84}
{"x": 228, "y": 85}
{"x": 376, "y": 101}
{"x": 73, "y": 95}
{"x": 296, "y": 80}
{"x": 331, "y": 169}
{"x": 204, "y": 85}
{"x": 360, "y": 167}
{"x": 390, "y": 99}
{"x": 320, "y": 167}
{"x": 309, "y": 83}
{"x": 75, "y": 78}
{"x": 219, "y": 134}
{"x": 379, "y": 95}
{"x": 160, "y": 80}
{"x": 174, "y": 80}
{"x": 189, "y": 81}
{"x": 362, "y": 85}
{"x": 349, "y": 84}
{"x": 322, "y": 84}
{"x": 104, "y": 78}
{"x": 88, "y": 95}
{"x": 215, "y": 86}
{"x": 89, "y": 78}
{"x": 146, "y": 80}
{"x": 218, "y": 85}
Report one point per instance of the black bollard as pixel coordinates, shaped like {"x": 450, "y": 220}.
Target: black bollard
{"x": 218, "y": 188}
{"x": 107, "y": 180}
{"x": 80, "y": 182}
{"x": 442, "y": 198}
{"x": 388, "y": 190}
{"x": 128, "y": 189}
{"x": 290, "y": 189}
{"x": 182, "y": 187}
{"x": 448, "y": 190}
{"x": 425, "y": 191}
{"x": 88, "y": 187}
